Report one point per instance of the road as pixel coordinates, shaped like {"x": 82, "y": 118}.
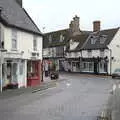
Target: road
{"x": 77, "y": 97}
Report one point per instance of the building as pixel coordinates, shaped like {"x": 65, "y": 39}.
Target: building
{"x": 95, "y": 51}
{"x": 54, "y": 46}
{"x": 22, "y": 40}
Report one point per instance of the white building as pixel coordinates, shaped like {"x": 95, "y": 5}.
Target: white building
{"x": 22, "y": 40}
{"x": 98, "y": 53}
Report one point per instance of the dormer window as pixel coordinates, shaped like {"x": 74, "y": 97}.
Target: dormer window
{"x": 61, "y": 38}
{"x": 50, "y": 38}
{"x": 103, "y": 39}
{"x": 93, "y": 39}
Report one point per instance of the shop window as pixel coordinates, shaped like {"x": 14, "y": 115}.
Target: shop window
{"x": 21, "y": 69}
{"x": 88, "y": 66}
{"x": 103, "y": 67}
{"x": 32, "y": 68}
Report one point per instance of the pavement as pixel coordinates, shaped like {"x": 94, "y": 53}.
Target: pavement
{"x": 114, "y": 101}
{"x": 48, "y": 83}
{"x": 74, "y": 97}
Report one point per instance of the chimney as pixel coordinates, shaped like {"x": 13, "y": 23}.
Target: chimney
{"x": 19, "y": 2}
{"x": 96, "y": 26}
{"x": 74, "y": 26}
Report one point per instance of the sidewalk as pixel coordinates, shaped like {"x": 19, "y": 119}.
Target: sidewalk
{"x": 47, "y": 83}
{"x": 114, "y": 102}
{"x": 16, "y": 92}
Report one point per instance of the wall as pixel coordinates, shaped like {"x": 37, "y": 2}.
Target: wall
{"x": 73, "y": 44}
{"x": 115, "y": 51}
{"x": 24, "y": 49}
{"x": 24, "y": 43}
{"x": 94, "y": 53}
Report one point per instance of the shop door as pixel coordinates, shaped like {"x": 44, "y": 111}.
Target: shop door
{"x": 14, "y": 73}
{"x": 95, "y": 68}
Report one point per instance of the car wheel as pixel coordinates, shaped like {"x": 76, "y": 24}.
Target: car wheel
{"x": 113, "y": 76}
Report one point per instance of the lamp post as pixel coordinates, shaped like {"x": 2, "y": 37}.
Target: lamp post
{"x": 1, "y": 62}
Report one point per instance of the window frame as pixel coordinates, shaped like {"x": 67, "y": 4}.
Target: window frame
{"x": 14, "y": 39}
{"x": 35, "y": 43}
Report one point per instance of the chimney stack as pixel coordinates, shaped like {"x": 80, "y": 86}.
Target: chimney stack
{"x": 96, "y": 26}
{"x": 19, "y": 2}
{"x": 74, "y": 26}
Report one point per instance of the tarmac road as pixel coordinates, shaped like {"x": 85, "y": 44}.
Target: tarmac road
{"x": 78, "y": 97}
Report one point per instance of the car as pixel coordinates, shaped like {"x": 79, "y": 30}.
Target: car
{"x": 116, "y": 73}
{"x": 54, "y": 75}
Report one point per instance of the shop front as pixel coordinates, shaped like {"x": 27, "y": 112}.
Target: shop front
{"x": 34, "y": 73}
{"x": 95, "y": 65}
{"x": 13, "y": 73}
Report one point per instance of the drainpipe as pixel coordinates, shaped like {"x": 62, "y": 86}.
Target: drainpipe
{"x": 1, "y": 82}
{"x": 1, "y": 62}
{"x": 81, "y": 61}
{"x": 110, "y": 61}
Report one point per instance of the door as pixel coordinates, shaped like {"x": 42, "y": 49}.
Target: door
{"x": 95, "y": 67}
{"x": 14, "y": 73}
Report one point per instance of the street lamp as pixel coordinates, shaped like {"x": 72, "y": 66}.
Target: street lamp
{"x": 1, "y": 62}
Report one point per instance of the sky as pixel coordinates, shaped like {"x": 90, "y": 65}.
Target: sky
{"x": 52, "y": 15}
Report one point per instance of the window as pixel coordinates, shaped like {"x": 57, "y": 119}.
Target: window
{"x": 61, "y": 38}
{"x": 103, "y": 39}
{"x": 102, "y": 67}
{"x": 21, "y": 69}
{"x": 89, "y": 53}
{"x": 35, "y": 43}
{"x": 0, "y": 36}
{"x": 14, "y": 39}
{"x": 93, "y": 39}
{"x": 88, "y": 66}
{"x": 50, "y": 38}
{"x": 101, "y": 53}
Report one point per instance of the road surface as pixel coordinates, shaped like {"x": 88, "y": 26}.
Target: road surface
{"x": 77, "y": 97}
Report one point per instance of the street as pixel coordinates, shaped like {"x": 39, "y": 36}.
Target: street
{"x": 76, "y": 97}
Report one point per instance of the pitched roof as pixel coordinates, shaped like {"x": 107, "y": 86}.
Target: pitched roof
{"x": 55, "y": 36}
{"x": 15, "y": 16}
{"x": 81, "y": 39}
{"x": 98, "y": 36}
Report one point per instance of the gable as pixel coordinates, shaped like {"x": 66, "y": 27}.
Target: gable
{"x": 100, "y": 40}
{"x": 16, "y": 16}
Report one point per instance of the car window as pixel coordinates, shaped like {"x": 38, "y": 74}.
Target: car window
{"x": 117, "y": 70}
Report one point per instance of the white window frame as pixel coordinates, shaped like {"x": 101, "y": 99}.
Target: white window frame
{"x": 89, "y": 53}
{"x": 103, "y": 39}
{"x": 87, "y": 68}
{"x": 35, "y": 43}
{"x": 101, "y": 53}
{"x": 14, "y": 39}
{"x": 93, "y": 40}
{"x": 50, "y": 38}
{"x": 61, "y": 38}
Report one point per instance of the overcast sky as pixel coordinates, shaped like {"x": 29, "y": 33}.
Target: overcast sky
{"x": 57, "y": 14}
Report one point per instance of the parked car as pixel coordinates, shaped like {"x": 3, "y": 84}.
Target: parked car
{"x": 54, "y": 75}
{"x": 116, "y": 73}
